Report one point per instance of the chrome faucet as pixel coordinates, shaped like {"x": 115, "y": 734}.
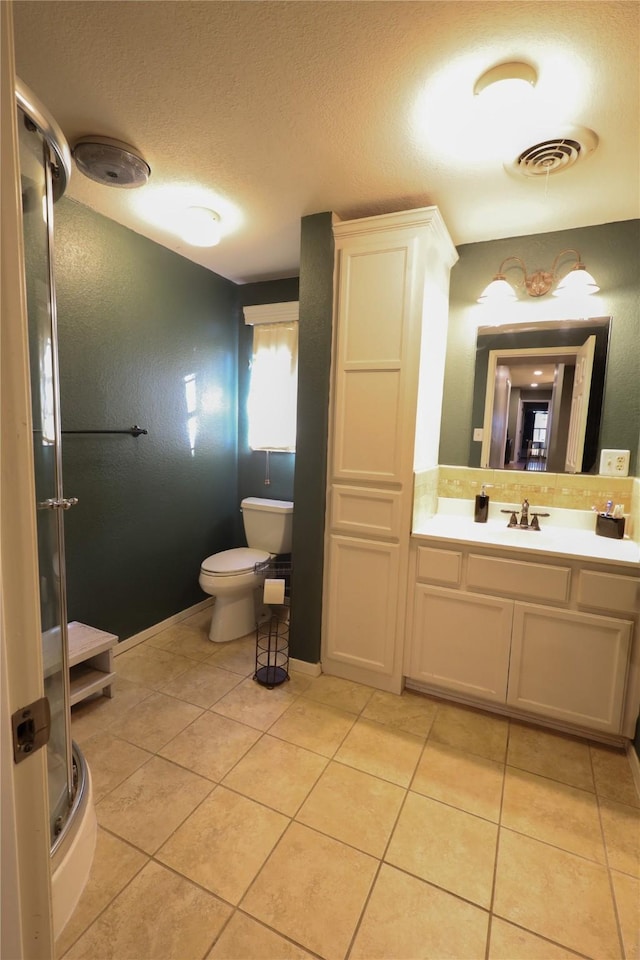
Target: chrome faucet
{"x": 524, "y": 516}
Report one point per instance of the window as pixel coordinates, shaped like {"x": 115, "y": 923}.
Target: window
{"x": 274, "y": 382}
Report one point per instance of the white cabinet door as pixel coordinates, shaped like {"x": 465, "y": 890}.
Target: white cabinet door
{"x": 569, "y": 666}
{"x": 461, "y": 641}
{"x": 362, "y": 603}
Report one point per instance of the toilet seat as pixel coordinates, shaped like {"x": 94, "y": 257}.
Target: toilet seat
{"x": 230, "y": 563}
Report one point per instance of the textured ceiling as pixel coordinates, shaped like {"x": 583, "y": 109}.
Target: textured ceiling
{"x": 269, "y": 111}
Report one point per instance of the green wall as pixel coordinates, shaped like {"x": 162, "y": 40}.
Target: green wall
{"x": 134, "y": 321}
{"x": 610, "y": 252}
{"x": 252, "y": 463}
{"x": 314, "y": 366}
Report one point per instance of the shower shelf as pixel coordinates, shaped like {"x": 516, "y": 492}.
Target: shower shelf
{"x": 90, "y": 661}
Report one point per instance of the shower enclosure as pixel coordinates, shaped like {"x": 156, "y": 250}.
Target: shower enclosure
{"x": 45, "y": 166}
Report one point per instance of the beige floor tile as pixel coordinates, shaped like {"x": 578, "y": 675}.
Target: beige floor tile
{"x": 627, "y": 895}
{"x": 151, "y": 803}
{"x": 313, "y": 726}
{"x": 553, "y": 812}
{"x": 150, "y": 666}
{"x": 200, "y": 620}
{"x": 298, "y": 682}
{"x": 183, "y": 640}
{"x": 621, "y": 827}
{"x": 202, "y": 685}
{"x": 447, "y": 847}
{"x": 159, "y": 916}
{"x": 115, "y": 863}
{"x": 471, "y": 731}
{"x": 111, "y": 760}
{"x": 95, "y": 714}
{"x": 276, "y": 773}
{"x": 550, "y": 754}
{"x": 512, "y": 943}
{"x": 354, "y": 807}
{"x": 555, "y": 894}
{"x": 223, "y": 845}
{"x": 410, "y": 712}
{"x": 406, "y": 918}
{"x": 245, "y": 939}
{"x": 254, "y": 704}
{"x": 462, "y": 780}
{"x": 237, "y": 656}
{"x": 382, "y": 751}
{"x": 211, "y": 745}
{"x": 312, "y": 889}
{"x": 155, "y": 721}
{"x": 612, "y": 775}
{"x": 336, "y": 692}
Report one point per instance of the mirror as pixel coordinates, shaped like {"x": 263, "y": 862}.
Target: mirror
{"x": 538, "y": 395}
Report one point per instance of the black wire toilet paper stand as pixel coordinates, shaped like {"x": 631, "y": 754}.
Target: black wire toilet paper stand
{"x": 272, "y": 633}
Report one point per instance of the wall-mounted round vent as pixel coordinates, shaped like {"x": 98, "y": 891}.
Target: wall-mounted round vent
{"x": 110, "y": 162}
{"x": 554, "y": 155}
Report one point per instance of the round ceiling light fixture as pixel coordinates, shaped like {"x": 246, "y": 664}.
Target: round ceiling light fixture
{"x": 111, "y": 162}
{"x": 200, "y": 227}
{"x": 510, "y": 75}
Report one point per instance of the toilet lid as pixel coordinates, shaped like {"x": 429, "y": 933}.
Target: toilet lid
{"x": 240, "y": 560}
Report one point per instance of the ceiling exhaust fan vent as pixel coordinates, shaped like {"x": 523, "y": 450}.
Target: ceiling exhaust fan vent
{"x": 111, "y": 162}
{"x": 554, "y": 155}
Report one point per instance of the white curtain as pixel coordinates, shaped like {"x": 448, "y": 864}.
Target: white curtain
{"x": 274, "y": 387}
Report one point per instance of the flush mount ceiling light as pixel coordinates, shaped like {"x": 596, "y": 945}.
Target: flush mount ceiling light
{"x": 513, "y": 75}
{"x": 111, "y": 162}
{"x": 200, "y": 227}
{"x": 578, "y": 281}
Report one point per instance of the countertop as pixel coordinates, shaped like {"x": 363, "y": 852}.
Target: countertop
{"x": 567, "y": 533}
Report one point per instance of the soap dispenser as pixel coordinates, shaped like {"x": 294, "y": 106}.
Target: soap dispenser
{"x": 482, "y": 506}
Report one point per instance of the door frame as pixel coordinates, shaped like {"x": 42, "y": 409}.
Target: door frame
{"x": 27, "y": 929}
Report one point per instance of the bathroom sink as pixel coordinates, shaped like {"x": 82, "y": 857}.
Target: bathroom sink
{"x": 567, "y": 532}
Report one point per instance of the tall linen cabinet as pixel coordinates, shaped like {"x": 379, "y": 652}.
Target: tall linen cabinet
{"x": 389, "y": 342}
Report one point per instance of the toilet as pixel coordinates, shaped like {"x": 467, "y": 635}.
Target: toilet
{"x": 230, "y": 576}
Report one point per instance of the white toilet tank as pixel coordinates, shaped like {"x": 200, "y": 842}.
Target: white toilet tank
{"x": 268, "y": 524}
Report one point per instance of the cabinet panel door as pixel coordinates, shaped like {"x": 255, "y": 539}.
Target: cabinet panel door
{"x": 378, "y": 319}
{"x": 570, "y": 666}
{"x": 361, "y": 511}
{"x": 362, "y": 602}
{"x": 461, "y": 642}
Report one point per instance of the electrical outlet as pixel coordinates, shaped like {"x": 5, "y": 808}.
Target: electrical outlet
{"x": 614, "y": 463}
{"x": 478, "y": 433}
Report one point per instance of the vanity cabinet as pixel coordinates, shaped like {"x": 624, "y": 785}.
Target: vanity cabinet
{"x": 390, "y": 323}
{"x": 523, "y": 637}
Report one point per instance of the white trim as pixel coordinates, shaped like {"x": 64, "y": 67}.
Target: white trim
{"x": 272, "y": 313}
{"x": 303, "y": 666}
{"x": 634, "y": 763}
{"x": 137, "y": 638}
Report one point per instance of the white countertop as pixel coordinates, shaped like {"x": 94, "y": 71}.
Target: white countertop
{"x": 566, "y": 533}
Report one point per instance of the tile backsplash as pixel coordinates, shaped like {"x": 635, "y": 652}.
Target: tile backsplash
{"x": 580, "y": 491}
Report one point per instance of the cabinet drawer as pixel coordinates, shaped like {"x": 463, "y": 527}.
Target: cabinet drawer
{"x": 607, "y": 591}
{"x": 363, "y": 512}
{"x": 439, "y": 566}
{"x": 531, "y": 581}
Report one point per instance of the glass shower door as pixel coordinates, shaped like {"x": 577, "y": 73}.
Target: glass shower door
{"x": 37, "y": 204}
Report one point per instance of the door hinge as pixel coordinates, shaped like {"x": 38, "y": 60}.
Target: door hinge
{"x": 31, "y": 728}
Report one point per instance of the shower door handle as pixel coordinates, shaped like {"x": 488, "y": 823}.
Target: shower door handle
{"x": 53, "y": 504}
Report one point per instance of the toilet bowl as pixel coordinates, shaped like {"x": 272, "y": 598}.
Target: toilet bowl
{"x": 231, "y": 576}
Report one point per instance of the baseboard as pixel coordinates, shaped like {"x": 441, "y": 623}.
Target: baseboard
{"x": 303, "y": 666}
{"x": 634, "y": 763}
{"x": 157, "y": 627}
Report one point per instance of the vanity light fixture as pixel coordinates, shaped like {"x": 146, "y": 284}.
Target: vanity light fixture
{"x": 200, "y": 227}
{"x": 578, "y": 281}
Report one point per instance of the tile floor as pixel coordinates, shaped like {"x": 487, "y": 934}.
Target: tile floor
{"x": 326, "y": 819}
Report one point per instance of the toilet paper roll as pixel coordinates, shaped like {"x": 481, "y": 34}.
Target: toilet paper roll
{"x": 273, "y": 591}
